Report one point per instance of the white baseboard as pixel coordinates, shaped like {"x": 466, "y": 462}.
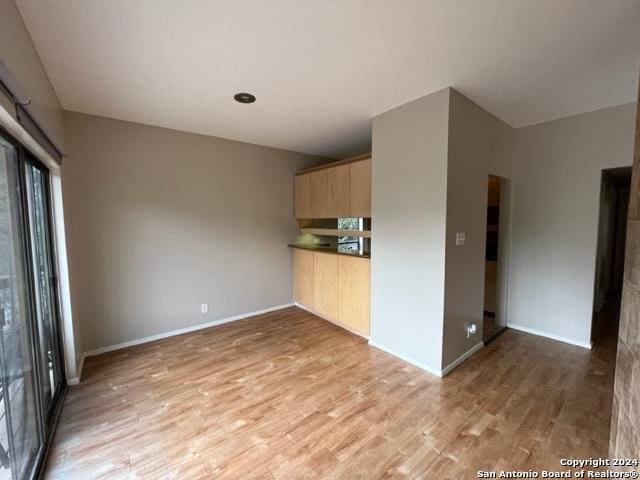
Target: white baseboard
{"x": 180, "y": 331}
{"x": 337, "y": 324}
{"x": 462, "y": 358}
{"x": 540, "y": 333}
{"x": 426, "y": 368}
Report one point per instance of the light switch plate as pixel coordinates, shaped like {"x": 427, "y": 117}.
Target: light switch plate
{"x": 461, "y": 238}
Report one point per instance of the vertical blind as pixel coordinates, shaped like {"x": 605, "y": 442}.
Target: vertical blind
{"x": 27, "y": 114}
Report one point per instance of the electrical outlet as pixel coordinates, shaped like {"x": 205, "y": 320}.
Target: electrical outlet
{"x": 461, "y": 238}
{"x": 472, "y": 328}
{"x": 204, "y": 308}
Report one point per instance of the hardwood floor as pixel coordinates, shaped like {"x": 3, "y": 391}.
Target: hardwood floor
{"x": 287, "y": 395}
{"x": 490, "y": 328}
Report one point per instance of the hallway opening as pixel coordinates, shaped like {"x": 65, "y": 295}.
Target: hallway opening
{"x": 496, "y": 257}
{"x": 612, "y": 229}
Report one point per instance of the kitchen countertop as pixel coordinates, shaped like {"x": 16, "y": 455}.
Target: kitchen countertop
{"x": 332, "y": 250}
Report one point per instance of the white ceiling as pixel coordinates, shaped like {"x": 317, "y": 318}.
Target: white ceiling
{"x": 321, "y": 69}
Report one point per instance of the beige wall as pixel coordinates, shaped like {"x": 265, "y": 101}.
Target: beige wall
{"x": 408, "y": 229}
{"x": 431, "y": 162}
{"x": 160, "y": 222}
{"x": 19, "y": 54}
{"x": 557, "y": 171}
{"x": 479, "y": 144}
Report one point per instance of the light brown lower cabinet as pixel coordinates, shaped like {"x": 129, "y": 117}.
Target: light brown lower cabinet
{"x": 336, "y": 287}
{"x": 303, "y": 278}
{"x": 353, "y": 293}
{"x": 325, "y": 284}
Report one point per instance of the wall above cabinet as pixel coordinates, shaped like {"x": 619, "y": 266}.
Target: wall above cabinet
{"x": 340, "y": 189}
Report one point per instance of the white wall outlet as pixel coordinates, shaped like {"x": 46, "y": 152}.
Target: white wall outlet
{"x": 461, "y": 238}
{"x": 204, "y": 308}
{"x": 472, "y": 328}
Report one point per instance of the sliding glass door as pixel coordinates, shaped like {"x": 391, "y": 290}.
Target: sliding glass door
{"x": 18, "y": 403}
{"x": 36, "y": 182}
{"x": 31, "y": 371}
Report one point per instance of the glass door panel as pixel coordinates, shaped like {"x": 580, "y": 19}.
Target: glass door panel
{"x": 45, "y": 309}
{"x": 20, "y": 435}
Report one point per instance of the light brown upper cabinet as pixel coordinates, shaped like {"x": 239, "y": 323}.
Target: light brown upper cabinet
{"x": 319, "y": 194}
{"x": 302, "y": 196}
{"x": 360, "y": 188}
{"x": 338, "y": 191}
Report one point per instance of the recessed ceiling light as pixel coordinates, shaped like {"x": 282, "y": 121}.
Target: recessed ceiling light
{"x": 244, "y": 98}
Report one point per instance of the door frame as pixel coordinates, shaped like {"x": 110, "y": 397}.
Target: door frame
{"x": 504, "y": 248}
{"x": 53, "y": 280}
{"x": 72, "y": 355}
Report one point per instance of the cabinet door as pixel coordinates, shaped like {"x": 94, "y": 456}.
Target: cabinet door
{"x": 319, "y": 185}
{"x": 326, "y": 285}
{"x": 354, "y": 293}
{"x": 360, "y": 188}
{"x": 302, "y": 196}
{"x": 338, "y": 191}
{"x": 303, "y": 291}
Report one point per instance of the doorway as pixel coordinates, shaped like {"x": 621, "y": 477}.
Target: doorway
{"x": 496, "y": 257}
{"x": 612, "y": 229}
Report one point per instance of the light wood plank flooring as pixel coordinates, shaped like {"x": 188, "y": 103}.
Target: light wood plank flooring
{"x": 287, "y": 395}
{"x": 490, "y": 328}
